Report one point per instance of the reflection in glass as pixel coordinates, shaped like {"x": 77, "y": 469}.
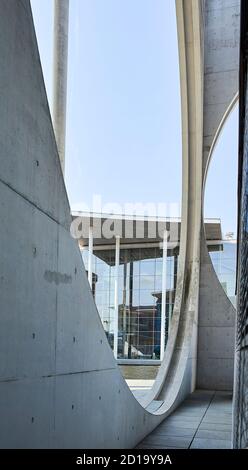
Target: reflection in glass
{"x": 224, "y": 262}
{"x": 140, "y": 293}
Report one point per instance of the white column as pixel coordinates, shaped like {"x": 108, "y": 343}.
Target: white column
{"x": 60, "y": 58}
{"x": 163, "y": 300}
{"x": 90, "y": 253}
{"x": 117, "y": 263}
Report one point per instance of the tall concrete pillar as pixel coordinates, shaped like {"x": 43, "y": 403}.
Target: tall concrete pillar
{"x": 60, "y": 59}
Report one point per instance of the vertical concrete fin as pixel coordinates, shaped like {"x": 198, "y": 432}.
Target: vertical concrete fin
{"x": 31, "y": 164}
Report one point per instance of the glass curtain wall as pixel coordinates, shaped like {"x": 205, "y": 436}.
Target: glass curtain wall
{"x": 224, "y": 262}
{"x": 140, "y": 293}
{"x": 139, "y": 298}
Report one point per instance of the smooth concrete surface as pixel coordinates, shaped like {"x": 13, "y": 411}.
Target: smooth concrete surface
{"x": 60, "y": 60}
{"x": 59, "y": 383}
{"x": 216, "y": 330}
{"x": 203, "y": 421}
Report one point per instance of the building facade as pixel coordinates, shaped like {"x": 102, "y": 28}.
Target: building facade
{"x": 134, "y": 280}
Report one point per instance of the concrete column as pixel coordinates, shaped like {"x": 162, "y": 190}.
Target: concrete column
{"x": 90, "y": 256}
{"x": 175, "y": 255}
{"x": 130, "y": 311}
{"x": 163, "y": 300}
{"x": 174, "y": 283}
{"x": 60, "y": 59}
{"x": 117, "y": 263}
{"x": 124, "y": 327}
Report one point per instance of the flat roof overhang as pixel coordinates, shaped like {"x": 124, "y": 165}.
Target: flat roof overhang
{"x": 142, "y": 229}
{"x": 136, "y": 232}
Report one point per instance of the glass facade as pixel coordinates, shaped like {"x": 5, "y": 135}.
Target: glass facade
{"x": 224, "y": 262}
{"x": 140, "y": 302}
{"x": 139, "y": 297}
{"x": 140, "y": 276}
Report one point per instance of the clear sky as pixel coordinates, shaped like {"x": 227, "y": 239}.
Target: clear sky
{"x": 123, "y": 121}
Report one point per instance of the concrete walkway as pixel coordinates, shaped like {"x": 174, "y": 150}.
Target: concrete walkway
{"x": 203, "y": 421}
{"x": 140, "y": 387}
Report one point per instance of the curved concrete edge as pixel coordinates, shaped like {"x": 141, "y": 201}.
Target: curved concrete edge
{"x": 176, "y": 377}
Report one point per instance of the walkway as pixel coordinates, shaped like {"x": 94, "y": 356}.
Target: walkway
{"x": 140, "y": 387}
{"x": 203, "y": 421}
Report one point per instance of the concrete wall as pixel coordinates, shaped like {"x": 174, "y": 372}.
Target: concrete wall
{"x": 216, "y": 331}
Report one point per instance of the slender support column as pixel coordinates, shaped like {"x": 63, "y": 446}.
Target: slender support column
{"x": 175, "y": 271}
{"x": 130, "y": 311}
{"x": 90, "y": 256}
{"x": 174, "y": 283}
{"x": 124, "y": 327}
{"x": 60, "y": 59}
{"x": 163, "y": 300}
{"x": 117, "y": 263}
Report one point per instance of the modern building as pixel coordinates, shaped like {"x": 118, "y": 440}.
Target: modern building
{"x": 60, "y": 385}
{"x": 133, "y": 274}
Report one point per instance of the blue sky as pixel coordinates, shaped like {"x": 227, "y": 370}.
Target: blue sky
{"x": 123, "y": 121}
